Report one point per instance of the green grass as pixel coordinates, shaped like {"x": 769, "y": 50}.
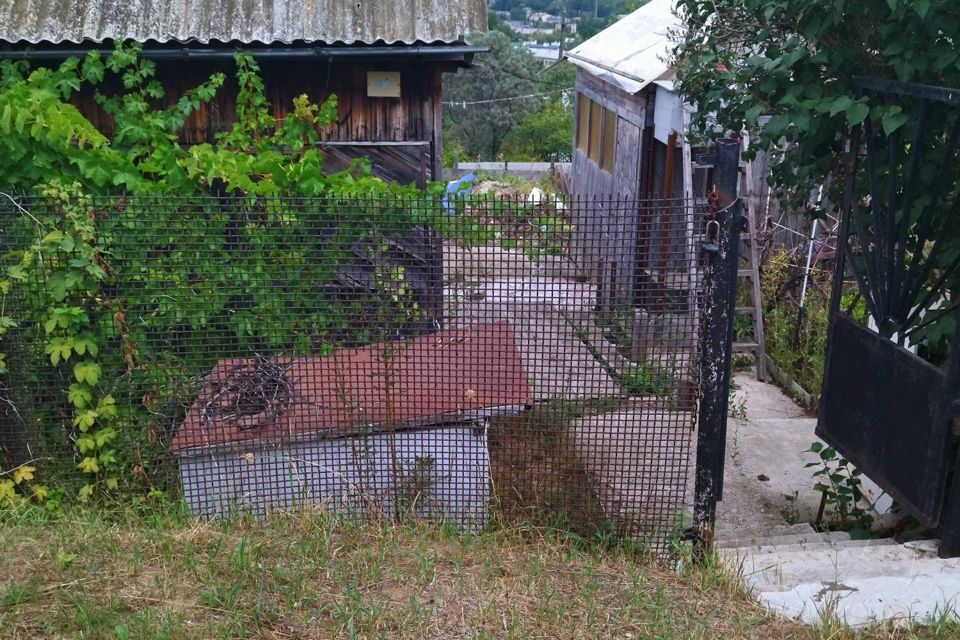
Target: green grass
{"x": 125, "y": 572}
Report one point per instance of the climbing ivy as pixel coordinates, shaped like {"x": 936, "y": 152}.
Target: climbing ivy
{"x": 107, "y": 235}
{"x": 139, "y": 262}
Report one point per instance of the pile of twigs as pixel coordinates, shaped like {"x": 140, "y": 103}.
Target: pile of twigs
{"x": 257, "y": 388}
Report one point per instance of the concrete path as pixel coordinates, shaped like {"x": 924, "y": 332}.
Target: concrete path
{"x": 808, "y": 576}
{"x": 794, "y": 570}
{"x": 765, "y": 459}
{"x": 637, "y": 459}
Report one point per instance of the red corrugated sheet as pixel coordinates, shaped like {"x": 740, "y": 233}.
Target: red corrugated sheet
{"x": 442, "y": 377}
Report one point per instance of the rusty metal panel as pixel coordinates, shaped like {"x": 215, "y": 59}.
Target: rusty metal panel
{"x": 432, "y": 379}
{"x": 286, "y": 21}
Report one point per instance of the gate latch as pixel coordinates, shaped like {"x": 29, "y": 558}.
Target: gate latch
{"x": 711, "y": 243}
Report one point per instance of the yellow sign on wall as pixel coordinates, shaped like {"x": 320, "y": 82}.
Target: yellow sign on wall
{"x": 383, "y": 84}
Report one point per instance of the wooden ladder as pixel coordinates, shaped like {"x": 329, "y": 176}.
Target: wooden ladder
{"x": 750, "y": 255}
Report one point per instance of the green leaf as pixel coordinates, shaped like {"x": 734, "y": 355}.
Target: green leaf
{"x": 107, "y": 407}
{"x": 921, "y": 7}
{"x": 893, "y": 121}
{"x": 85, "y": 419}
{"x": 87, "y": 371}
{"x": 59, "y": 349}
{"x": 88, "y": 464}
{"x": 103, "y": 436}
{"x": 753, "y": 113}
{"x": 17, "y": 272}
{"x": 92, "y": 69}
{"x": 856, "y": 113}
{"x": 842, "y": 103}
{"x": 80, "y": 395}
{"x": 5, "y": 117}
{"x": 53, "y": 237}
{"x": 86, "y": 444}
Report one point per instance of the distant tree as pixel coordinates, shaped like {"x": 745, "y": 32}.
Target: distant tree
{"x": 545, "y": 133}
{"x": 496, "y": 23}
{"x": 518, "y": 13}
{"x": 590, "y": 27}
{"x": 485, "y": 102}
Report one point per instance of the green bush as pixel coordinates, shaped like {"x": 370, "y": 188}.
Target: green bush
{"x": 795, "y": 336}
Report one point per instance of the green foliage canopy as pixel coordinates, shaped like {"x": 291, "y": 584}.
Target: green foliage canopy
{"x": 499, "y": 119}
{"x": 795, "y": 61}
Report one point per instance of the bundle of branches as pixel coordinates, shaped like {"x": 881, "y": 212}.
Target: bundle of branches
{"x": 259, "y": 389}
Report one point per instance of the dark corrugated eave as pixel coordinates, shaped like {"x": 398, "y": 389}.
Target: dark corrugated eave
{"x": 459, "y": 52}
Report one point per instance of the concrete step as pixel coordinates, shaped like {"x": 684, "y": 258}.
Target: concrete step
{"x": 736, "y": 558}
{"x": 861, "y": 602}
{"x": 859, "y": 581}
{"x": 772, "y": 541}
{"x": 764, "y": 535}
{"x": 783, "y": 570}
{"x": 767, "y": 545}
{"x": 722, "y": 533}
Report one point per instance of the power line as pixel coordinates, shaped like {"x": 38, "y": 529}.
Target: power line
{"x": 467, "y": 103}
{"x": 522, "y": 77}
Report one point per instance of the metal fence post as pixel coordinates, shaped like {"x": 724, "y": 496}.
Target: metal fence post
{"x": 716, "y": 344}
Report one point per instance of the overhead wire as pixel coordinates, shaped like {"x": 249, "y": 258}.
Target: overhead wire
{"x": 522, "y": 77}
{"x": 467, "y": 103}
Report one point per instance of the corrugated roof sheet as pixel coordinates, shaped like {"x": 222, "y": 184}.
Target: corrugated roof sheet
{"x": 634, "y": 51}
{"x": 446, "y": 376}
{"x": 266, "y": 21}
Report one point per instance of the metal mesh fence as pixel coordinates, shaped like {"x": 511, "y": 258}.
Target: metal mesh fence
{"x": 468, "y": 360}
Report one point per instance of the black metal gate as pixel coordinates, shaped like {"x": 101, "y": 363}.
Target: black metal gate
{"x": 891, "y": 370}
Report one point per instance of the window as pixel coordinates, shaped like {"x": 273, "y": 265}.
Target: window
{"x": 583, "y": 121}
{"x": 608, "y": 143}
{"x": 596, "y": 132}
{"x": 596, "y": 124}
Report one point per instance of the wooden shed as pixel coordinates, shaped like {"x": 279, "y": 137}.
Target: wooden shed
{"x": 383, "y": 59}
{"x": 629, "y": 142}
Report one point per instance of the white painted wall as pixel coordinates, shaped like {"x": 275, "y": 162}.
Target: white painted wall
{"x": 347, "y": 475}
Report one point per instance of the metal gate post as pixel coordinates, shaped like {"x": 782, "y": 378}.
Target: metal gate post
{"x": 716, "y": 344}
{"x": 949, "y": 410}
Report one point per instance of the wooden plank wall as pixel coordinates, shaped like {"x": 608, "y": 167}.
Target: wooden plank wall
{"x": 415, "y": 116}
{"x": 605, "y": 244}
{"x": 402, "y": 163}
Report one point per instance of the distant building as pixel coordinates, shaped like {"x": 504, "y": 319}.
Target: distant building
{"x": 544, "y": 17}
{"x": 525, "y": 29}
{"x": 547, "y": 53}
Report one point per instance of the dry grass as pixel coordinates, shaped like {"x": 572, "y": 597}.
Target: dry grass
{"x": 156, "y": 573}
{"x": 536, "y": 474}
